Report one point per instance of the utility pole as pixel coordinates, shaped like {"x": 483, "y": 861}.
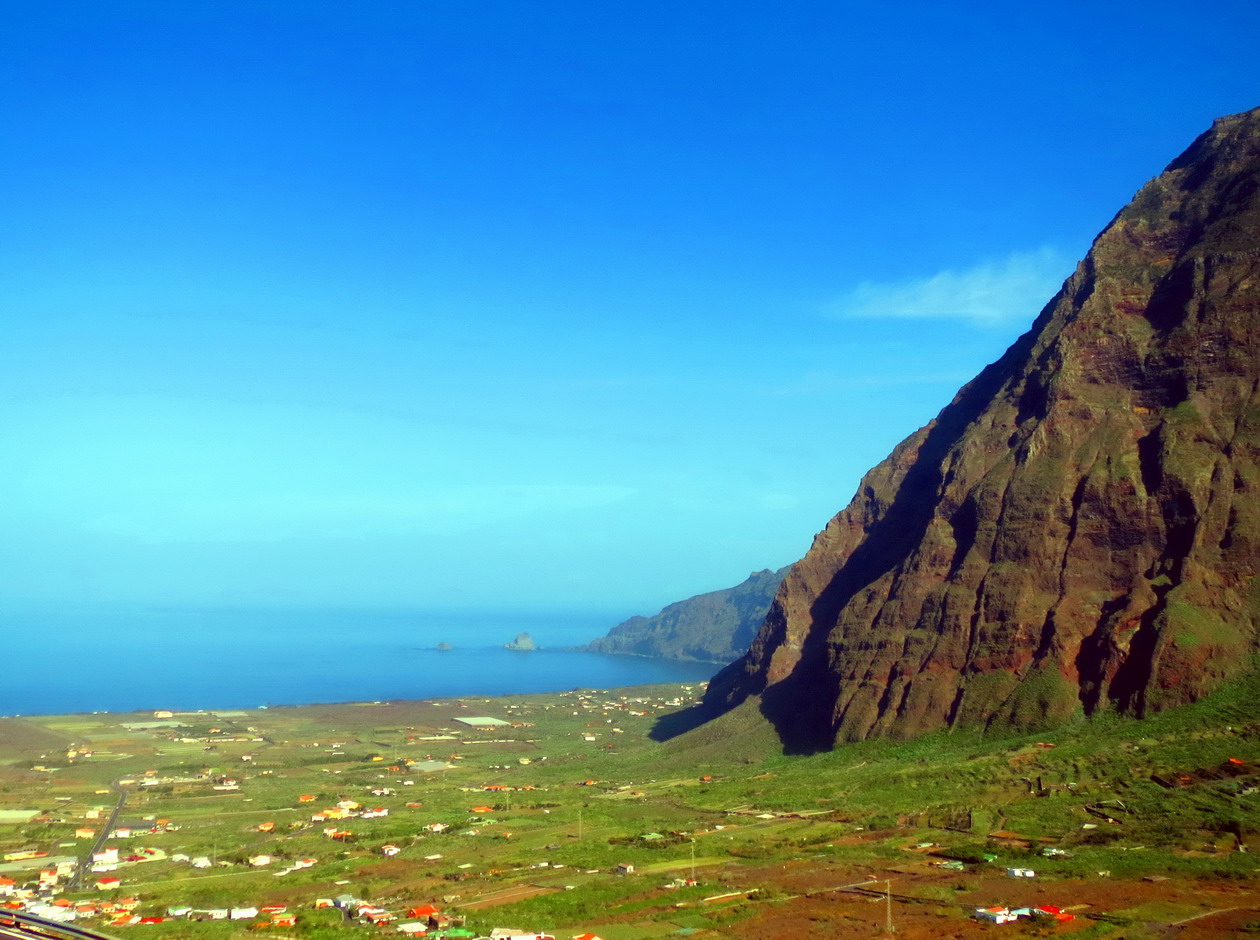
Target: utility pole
{"x": 579, "y": 824}
{"x": 889, "y": 929}
{"x": 693, "y": 859}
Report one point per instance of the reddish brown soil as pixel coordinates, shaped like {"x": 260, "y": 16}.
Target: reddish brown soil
{"x": 506, "y": 896}
{"x": 1224, "y": 924}
{"x": 941, "y": 911}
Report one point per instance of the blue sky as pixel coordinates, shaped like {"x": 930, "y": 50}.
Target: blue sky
{"x": 529, "y": 305}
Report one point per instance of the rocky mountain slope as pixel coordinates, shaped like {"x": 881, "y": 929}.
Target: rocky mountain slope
{"x": 715, "y": 627}
{"x": 1080, "y": 528}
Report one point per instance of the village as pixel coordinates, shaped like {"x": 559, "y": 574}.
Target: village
{"x": 560, "y": 816}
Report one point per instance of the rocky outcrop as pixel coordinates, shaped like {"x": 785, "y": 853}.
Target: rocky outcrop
{"x": 523, "y": 642}
{"x": 1079, "y": 530}
{"x": 715, "y": 627}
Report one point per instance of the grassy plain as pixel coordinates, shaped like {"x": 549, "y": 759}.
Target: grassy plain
{"x": 1146, "y": 823}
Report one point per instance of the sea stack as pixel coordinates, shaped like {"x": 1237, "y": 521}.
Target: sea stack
{"x": 1079, "y": 529}
{"x": 523, "y": 641}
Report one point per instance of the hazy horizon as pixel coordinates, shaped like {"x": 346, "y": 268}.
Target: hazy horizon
{"x": 243, "y": 658}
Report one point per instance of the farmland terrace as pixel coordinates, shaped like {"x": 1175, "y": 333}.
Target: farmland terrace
{"x": 564, "y": 816}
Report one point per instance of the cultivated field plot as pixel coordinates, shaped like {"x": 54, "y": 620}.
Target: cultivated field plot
{"x": 563, "y": 814}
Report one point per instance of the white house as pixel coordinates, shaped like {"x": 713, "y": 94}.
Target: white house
{"x": 995, "y": 915}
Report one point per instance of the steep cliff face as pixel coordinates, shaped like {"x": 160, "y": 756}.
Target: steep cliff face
{"x": 1080, "y": 527}
{"x": 715, "y": 627}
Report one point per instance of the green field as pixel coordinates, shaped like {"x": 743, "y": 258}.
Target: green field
{"x": 536, "y": 816}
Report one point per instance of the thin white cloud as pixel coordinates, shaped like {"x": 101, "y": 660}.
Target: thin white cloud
{"x": 440, "y": 511}
{"x": 990, "y": 294}
{"x": 777, "y": 502}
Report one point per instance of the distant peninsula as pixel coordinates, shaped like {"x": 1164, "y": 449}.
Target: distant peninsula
{"x": 715, "y": 627}
{"x": 444, "y": 646}
{"x": 523, "y": 641}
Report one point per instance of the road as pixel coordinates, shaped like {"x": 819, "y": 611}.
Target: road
{"x": 17, "y": 925}
{"x": 80, "y": 871}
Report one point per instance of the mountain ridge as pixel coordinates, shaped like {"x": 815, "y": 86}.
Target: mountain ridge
{"x": 1076, "y": 531}
{"x": 715, "y": 626}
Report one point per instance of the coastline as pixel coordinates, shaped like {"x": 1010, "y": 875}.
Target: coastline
{"x": 238, "y": 711}
{"x": 219, "y": 680}
{"x": 720, "y": 664}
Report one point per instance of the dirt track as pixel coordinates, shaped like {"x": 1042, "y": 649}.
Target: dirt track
{"x": 506, "y": 896}
{"x": 933, "y": 904}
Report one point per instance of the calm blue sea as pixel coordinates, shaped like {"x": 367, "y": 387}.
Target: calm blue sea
{"x": 76, "y": 661}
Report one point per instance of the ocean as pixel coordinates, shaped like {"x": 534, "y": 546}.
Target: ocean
{"x": 67, "y": 661}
